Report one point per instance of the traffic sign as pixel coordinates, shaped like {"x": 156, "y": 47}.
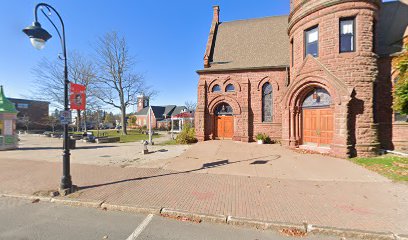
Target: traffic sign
{"x": 65, "y": 117}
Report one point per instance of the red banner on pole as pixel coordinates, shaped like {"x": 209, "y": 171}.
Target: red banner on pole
{"x": 77, "y": 96}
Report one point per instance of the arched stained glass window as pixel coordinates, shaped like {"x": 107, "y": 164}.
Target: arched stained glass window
{"x": 230, "y": 88}
{"x": 224, "y": 109}
{"x": 317, "y": 98}
{"x": 267, "y": 102}
{"x": 216, "y": 88}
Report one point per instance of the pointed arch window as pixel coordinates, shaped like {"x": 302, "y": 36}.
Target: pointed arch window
{"x": 267, "y": 102}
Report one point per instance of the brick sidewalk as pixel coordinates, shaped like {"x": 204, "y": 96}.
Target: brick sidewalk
{"x": 376, "y": 206}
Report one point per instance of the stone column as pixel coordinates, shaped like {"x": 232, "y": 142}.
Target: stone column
{"x": 200, "y": 115}
{"x": 245, "y": 111}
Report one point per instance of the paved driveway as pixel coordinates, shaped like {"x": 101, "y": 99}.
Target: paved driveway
{"x": 251, "y": 159}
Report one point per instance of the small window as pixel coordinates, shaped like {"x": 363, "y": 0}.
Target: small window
{"x": 347, "y": 35}
{"x": 216, "y": 88}
{"x": 292, "y": 49}
{"x": 22, "y": 105}
{"x": 230, "y": 88}
{"x": 312, "y": 41}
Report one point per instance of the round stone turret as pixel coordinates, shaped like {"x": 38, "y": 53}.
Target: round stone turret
{"x": 334, "y": 41}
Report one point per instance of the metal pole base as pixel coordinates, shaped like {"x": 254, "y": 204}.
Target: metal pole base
{"x": 67, "y": 191}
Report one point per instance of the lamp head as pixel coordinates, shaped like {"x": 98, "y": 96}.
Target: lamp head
{"x": 38, "y": 35}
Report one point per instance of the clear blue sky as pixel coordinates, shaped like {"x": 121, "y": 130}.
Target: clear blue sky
{"x": 167, "y": 38}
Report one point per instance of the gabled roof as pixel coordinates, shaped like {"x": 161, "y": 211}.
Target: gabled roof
{"x": 178, "y": 110}
{"x": 159, "y": 112}
{"x": 142, "y": 112}
{"x": 252, "y": 43}
{"x": 392, "y": 26}
{"x": 6, "y": 106}
{"x": 169, "y": 109}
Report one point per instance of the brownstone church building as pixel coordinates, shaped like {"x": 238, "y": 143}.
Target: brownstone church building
{"x": 320, "y": 78}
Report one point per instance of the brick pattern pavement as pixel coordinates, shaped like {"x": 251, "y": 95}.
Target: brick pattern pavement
{"x": 358, "y": 205}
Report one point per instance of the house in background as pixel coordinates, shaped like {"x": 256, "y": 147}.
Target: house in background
{"x": 161, "y": 115}
{"x": 31, "y": 112}
{"x": 178, "y": 121}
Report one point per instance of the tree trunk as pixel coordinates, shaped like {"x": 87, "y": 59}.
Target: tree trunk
{"x": 78, "y": 122}
{"x": 85, "y": 126}
{"x": 123, "y": 120}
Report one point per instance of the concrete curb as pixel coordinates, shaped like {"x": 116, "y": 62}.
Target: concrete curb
{"x": 264, "y": 225}
{"x": 132, "y": 209}
{"x": 230, "y": 220}
{"x": 196, "y": 217}
{"x": 314, "y": 230}
{"x": 77, "y": 203}
{"x": 28, "y": 197}
{"x": 354, "y": 233}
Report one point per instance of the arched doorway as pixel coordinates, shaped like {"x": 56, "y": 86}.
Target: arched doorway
{"x": 318, "y": 118}
{"x": 224, "y": 121}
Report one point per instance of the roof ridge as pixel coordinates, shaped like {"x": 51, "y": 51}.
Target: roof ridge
{"x": 254, "y": 19}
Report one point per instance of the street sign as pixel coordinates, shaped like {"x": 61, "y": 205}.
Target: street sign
{"x": 65, "y": 117}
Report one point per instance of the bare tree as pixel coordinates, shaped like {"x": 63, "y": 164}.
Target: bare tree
{"x": 49, "y": 82}
{"x": 117, "y": 84}
{"x": 25, "y": 121}
{"x": 82, "y": 71}
{"x": 51, "y": 121}
{"x": 190, "y": 105}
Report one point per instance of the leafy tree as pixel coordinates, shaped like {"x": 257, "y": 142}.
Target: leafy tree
{"x": 401, "y": 86}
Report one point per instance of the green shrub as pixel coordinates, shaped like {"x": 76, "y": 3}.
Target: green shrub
{"x": 260, "y": 136}
{"x": 265, "y": 138}
{"x": 187, "y": 135}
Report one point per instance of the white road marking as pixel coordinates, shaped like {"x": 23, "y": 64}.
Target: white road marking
{"x": 141, "y": 227}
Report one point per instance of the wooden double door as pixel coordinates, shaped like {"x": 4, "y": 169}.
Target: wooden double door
{"x": 224, "y": 127}
{"x": 318, "y": 126}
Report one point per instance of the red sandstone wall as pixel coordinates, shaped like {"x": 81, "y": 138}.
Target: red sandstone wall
{"x": 399, "y": 136}
{"x": 358, "y": 70}
{"x": 246, "y": 102}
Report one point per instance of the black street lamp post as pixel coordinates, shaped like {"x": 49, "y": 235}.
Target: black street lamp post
{"x": 38, "y": 37}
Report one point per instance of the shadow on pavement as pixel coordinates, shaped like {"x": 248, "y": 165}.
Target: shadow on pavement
{"x": 54, "y": 148}
{"x": 205, "y": 166}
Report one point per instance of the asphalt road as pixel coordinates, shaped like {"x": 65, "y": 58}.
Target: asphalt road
{"x": 24, "y": 220}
